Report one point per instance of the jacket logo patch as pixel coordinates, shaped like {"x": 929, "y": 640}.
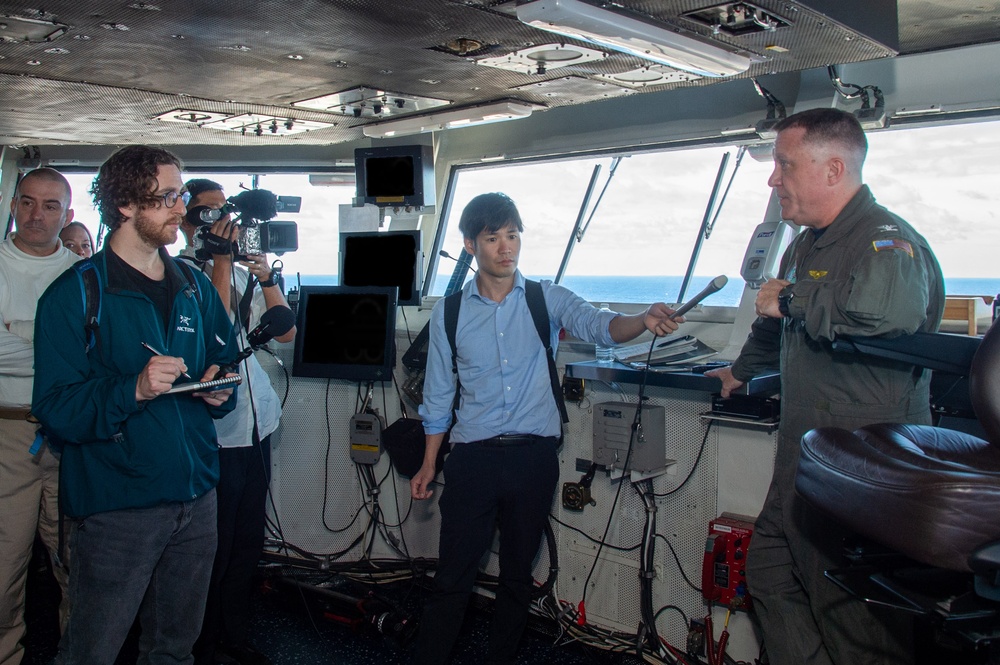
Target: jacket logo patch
{"x": 893, "y": 243}
{"x": 185, "y": 324}
{"x": 817, "y": 274}
{"x": 887, "y": 228}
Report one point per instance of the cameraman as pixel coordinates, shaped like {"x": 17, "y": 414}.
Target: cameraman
{"x": 244, "y": 434}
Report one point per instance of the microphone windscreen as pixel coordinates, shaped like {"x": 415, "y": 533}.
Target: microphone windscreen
{"x": 713, "y": 287}
{"x": 275, "y": 322}
{"x": 718, "y": 283}
{"x": 259, "y": 204}
{"x": 279, "y": 320}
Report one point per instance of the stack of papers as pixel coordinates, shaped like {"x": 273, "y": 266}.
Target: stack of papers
{"x": 671, "y": 351}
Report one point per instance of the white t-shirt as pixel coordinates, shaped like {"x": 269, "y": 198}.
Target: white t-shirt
{"x": 235, "y": 430}
{"x": 23, "y": 279}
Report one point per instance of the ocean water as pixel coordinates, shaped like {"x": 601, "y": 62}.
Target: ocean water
{"x": 656, "y": 288}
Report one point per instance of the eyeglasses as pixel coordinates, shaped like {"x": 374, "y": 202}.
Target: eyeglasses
{"x": 170, "y": 198}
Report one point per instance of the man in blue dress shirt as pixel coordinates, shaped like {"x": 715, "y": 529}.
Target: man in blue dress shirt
{"x": 507, "y": 426}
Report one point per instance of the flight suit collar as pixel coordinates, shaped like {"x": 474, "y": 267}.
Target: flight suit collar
{"x": 848, "y": 218}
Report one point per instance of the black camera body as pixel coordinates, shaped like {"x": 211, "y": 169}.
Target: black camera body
{"x": 256, "y": 235}
{"x": 274, "y": 237}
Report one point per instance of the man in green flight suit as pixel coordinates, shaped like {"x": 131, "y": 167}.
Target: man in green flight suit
{"x": 856, "y": 269}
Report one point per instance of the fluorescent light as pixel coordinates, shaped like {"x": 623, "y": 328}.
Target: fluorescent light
{"x": 579, "y": 20}
{"x": 464, "y": 117}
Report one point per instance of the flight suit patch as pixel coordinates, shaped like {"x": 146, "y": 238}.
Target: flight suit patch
{"x": 817, "y": 274}
{"x": 893, "y": 243}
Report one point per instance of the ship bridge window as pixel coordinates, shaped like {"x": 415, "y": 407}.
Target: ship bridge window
{"x": 943, "y": 179}
{"x": 641, "y": 236}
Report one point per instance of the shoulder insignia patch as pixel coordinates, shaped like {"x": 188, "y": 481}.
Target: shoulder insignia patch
{"x": 817, "y": 274}
{"x": 893, "y": 243}
{"x": 887, "y": 228}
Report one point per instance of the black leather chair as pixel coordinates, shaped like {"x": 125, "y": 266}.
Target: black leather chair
{"x": 931, "y": 495}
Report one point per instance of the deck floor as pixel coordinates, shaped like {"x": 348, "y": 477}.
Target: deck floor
{"x": 303, "y": 628}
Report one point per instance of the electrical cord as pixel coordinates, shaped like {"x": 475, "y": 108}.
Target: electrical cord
{"x": 678, "y": 562}
{"x": 663, "y": 609}
{"x": 326, "y": 468}
{"x": 406, "y": 326}
{"x": 694, "y": 466}
{"x": 586, "y": 535}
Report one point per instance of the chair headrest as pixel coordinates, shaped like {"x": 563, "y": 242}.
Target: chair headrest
{"x": 984, "y": 383}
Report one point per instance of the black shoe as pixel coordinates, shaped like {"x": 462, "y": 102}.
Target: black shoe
{"x": 219, "y": 657}
{"x": 243, "y": 654}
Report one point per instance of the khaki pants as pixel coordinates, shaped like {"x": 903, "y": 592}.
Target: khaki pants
{"x": 29, "y": 501}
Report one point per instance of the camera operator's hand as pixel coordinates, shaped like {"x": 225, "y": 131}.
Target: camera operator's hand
{"x": 259, "y": 266}
{"x": 219, "y": 239}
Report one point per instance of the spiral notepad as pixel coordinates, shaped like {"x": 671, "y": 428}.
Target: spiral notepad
{"x": 205, "y": 385}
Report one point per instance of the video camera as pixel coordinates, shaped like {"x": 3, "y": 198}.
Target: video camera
{"x": 253, "y": 210}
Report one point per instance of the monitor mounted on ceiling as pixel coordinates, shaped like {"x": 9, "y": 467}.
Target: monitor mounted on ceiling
{"x": 397, "y": 176}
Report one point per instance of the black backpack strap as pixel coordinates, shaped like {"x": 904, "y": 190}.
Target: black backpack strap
{"x": 535, "y": 298}
{"x": 90, "y": 289}
{"x": 188, "y": 270}
{"x": 539, "y": 315}
{"x": 243, "y": 308}
{"x": 452, "y": 304}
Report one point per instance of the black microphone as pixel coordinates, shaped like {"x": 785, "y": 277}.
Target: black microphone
{"x": 257, "y": 204}
{"x": 275, "y": 322}
{"x": 458, "y": 261}
{"x": 713, "y": 287}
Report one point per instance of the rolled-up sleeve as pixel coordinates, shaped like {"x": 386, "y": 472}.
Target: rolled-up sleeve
{"x": 439, "y": 380}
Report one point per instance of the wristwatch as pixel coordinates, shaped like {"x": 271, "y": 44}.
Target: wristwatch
{"x": 785, "y": 299}
{"x": 270, "y": 281}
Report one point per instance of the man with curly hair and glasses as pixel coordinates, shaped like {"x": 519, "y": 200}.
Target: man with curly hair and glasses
{"x": 139, "y": 464}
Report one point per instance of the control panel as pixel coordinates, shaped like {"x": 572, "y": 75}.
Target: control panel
{"x": 366, "y": 438}
{"x": 613, "y": 423}
{"x": 723, "y": 574}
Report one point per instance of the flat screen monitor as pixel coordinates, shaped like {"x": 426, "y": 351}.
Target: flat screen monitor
{"x": 346, "y": 332}
{"x": 392, "y": 258}
{"x": 400, "y": 175}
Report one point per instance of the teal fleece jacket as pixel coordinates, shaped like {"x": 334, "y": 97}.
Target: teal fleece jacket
{"x": 118, "y": 453}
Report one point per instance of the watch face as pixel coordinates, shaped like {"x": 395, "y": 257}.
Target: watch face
{"x": 784, "y": 300}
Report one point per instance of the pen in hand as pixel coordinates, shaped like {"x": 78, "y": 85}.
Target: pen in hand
{"x": 158, "y": 353}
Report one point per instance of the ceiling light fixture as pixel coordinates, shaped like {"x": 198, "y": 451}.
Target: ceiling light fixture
{"x": 618, "y": 32}
{"x": 463, "y": 117}
{"x": 537, "y": 60}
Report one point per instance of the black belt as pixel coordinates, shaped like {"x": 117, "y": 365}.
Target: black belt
{"x": 516, "y": 440}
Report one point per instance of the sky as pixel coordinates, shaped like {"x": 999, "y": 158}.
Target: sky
{"x": 943, "y": 180}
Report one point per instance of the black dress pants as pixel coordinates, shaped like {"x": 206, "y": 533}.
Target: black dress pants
{"x": 245, "y": 474}
{"x": 505, "y": 481}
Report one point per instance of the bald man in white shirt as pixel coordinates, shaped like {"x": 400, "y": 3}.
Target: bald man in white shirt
{"x": 30, "y": 259}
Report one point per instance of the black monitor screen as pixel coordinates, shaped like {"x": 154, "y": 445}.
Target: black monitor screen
{"x": 398, "y": 175}
{"x": 389, "y": 177}
{"x": 346, "y": 333}
{"x": 383, "y": 259}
